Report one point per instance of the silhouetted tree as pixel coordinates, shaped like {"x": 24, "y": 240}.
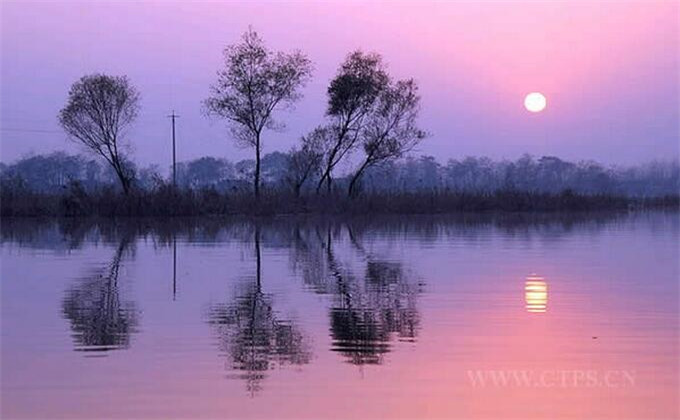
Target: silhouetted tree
{"x": 306, "y": 161}
{"x": 351, "y": 97}
{"x": 253, "y": 84}
{"x": 98, "y": 111}
{"x": 390, "y": 130}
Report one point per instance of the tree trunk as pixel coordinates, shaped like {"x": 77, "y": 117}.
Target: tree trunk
{"x": 355, "y": 179}
{"x": 257, "y": 166}
{"x": 323, "y": 178}
{"x": 124, "y": 181}
{"x": 329, "y": 167}
{"x": 126, "y": 185}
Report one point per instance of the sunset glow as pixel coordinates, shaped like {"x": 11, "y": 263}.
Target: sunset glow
{"x": 474, "y": 61}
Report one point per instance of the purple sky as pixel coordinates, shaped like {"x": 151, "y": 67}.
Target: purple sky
{"x": 608, "y": 69}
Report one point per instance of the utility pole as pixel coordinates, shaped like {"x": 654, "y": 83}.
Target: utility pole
{"x": 173, "y": 116}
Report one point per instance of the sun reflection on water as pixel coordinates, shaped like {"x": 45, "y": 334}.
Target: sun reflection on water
{"x": 535, "y": 294}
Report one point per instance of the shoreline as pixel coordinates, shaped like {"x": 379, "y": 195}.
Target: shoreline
{"x": 544, "y": 205}
{"x": 192, "y": 203}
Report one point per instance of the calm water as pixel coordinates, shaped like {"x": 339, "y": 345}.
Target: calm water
{"x": 418, "y": 317}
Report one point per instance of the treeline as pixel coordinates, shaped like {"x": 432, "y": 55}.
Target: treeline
{"x": 63, "y": 184}
{"x": 57, "y": 172}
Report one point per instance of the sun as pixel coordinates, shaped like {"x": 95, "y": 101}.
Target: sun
{"x": 535, "y": 102}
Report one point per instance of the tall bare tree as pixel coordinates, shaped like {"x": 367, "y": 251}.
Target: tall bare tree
{"x": 252, "y": 85}
{"x": 390, "y": 130}
{"x": 99, "y": 110}
{"x": 351, "y": 97}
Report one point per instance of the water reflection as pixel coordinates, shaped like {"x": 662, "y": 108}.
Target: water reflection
{"x": 367, "y": 314}
{"x": 174, "y": 267}
{"x": 535, "y": 294}
{"x": 368, "y": 311}
{"x": 252, "y": 334}
{"x": 100, "y": 319}
{"x": 67, "y": 234}
{"x": 354, "y": 288}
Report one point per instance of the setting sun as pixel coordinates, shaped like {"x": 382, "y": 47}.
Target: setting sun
{"x": 535, "y": 102}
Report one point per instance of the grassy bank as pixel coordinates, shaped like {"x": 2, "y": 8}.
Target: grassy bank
{"x": 171, "y": 202}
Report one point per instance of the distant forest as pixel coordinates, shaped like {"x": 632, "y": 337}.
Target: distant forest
{"x": 60, "y": 172}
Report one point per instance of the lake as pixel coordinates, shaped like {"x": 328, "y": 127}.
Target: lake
{"x": 514, "y": 316}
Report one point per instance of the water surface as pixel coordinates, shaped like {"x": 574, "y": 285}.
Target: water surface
{"x": 417, "y": 317}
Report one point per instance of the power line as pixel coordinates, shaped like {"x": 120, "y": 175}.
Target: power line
{"x": 30, "y": 130}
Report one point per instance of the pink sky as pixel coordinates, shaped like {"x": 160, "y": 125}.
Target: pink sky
{"x": 608, "y": 69}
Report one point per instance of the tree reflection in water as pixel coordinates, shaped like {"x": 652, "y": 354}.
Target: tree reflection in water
{"x": 250, "y": 332}
{"x": 100, "y": 319}
{"x": 367, "y": 312}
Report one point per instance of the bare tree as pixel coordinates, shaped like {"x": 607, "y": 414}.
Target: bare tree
{"x": 99, "y": 109}
{"x": 253, "y": 83}
{"x": 303, "y": 163}
{"x": 351, "y": 96}
{"x": 390, "y": 130}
